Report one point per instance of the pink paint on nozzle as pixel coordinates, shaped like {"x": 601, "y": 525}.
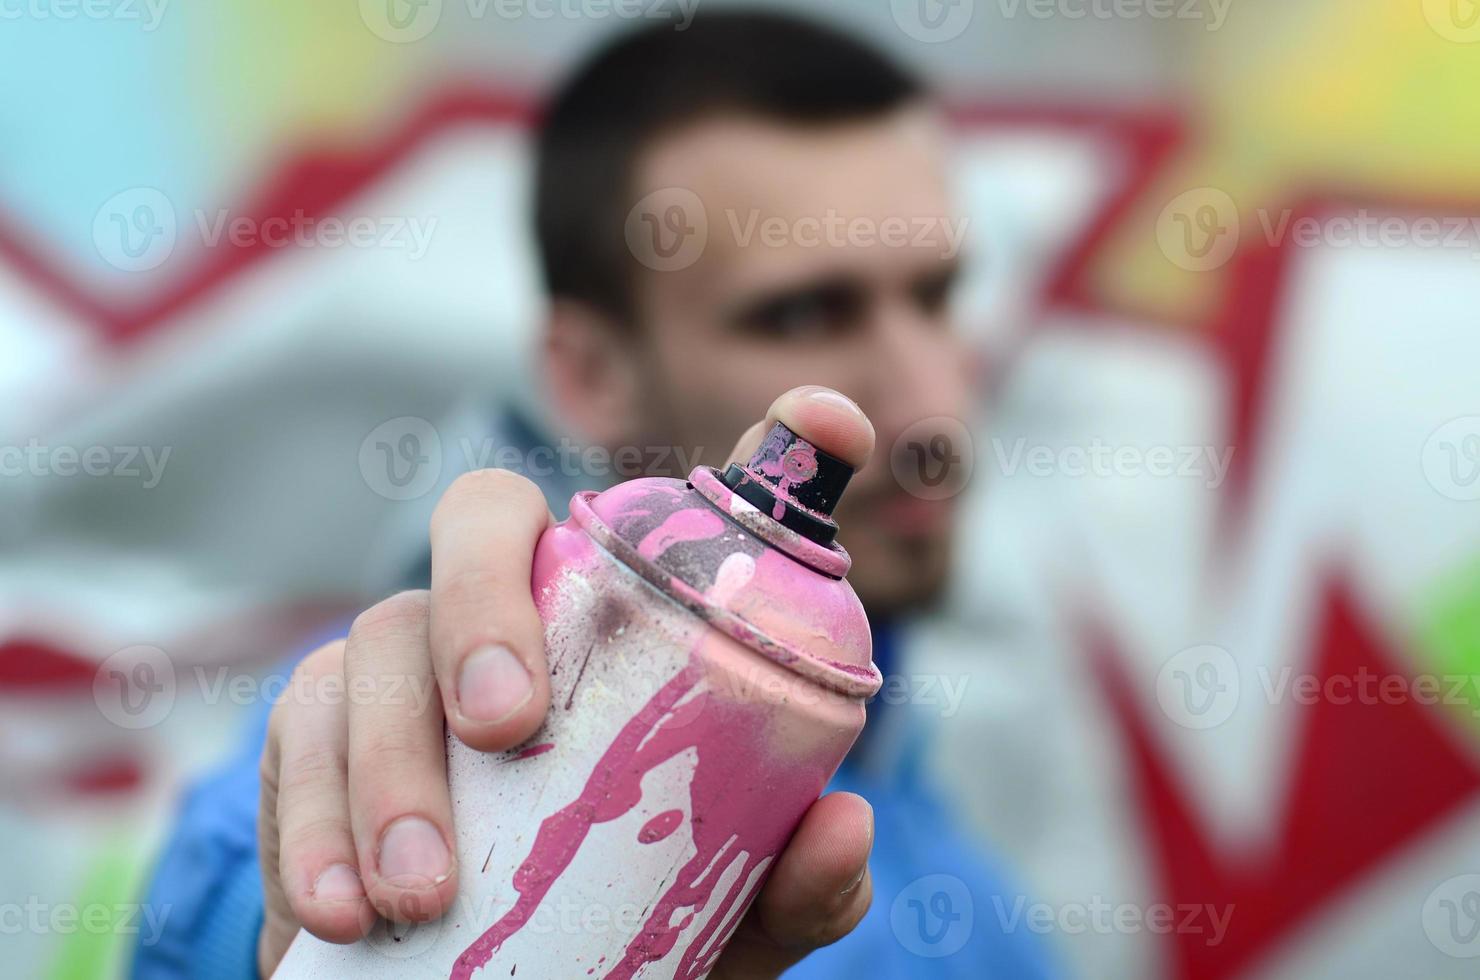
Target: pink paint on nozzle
{"x": 794, "y": 481}
{"x": 709, "y": 666}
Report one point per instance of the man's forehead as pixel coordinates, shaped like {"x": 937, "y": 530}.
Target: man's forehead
{"x": 784, "y": 202}
{"x": 736, "y": 160}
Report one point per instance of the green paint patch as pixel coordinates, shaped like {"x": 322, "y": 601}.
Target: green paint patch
{"x": 108, "y": 913}
{"x": 1449, "y": 640}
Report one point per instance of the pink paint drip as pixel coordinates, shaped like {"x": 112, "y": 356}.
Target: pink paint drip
{"x": 660, "y": 827}
{"x": 533, "y": 751}
{"x": 733, "y": 780}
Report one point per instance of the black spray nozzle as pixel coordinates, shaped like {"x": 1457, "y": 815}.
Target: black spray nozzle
{"x": 794, "y": 482}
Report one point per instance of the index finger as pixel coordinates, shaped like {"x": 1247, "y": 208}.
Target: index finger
{"x": 486, "y": 638}
{"x": 827, "y": 419}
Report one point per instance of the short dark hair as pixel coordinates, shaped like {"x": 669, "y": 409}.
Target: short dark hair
{"x": 657, "y": 79}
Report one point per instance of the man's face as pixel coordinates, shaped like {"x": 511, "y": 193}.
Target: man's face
{"x": 828, "y": 260}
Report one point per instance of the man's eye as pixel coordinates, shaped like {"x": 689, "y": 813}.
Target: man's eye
{"x": 799, "y": 318}
{"x": 817, "y": 314}
{"x": 933, "y": 295}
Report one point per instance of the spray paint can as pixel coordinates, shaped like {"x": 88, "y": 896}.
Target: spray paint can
{"x": 709, "y": 667}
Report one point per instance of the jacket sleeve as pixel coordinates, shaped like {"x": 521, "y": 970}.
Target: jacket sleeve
{"x": 207, "y": 888}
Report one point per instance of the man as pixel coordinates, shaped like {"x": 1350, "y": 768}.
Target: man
{"x": 718, "y": 214}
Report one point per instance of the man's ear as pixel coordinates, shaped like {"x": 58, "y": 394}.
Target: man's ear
{"x": 592, "y": 373}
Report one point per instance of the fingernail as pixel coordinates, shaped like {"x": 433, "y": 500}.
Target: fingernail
{"x": 413, "y": 847}
{"x": 493, "y": 685}
{"x": 858, "y": 880}
{"x": 338, "y": 883}
{"x": 817, "y": 393}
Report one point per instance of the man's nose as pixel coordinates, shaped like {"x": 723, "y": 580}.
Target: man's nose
{"x": 918, "y": 371}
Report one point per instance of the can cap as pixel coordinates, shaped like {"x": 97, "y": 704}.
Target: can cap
{"x": 794, "y": 482}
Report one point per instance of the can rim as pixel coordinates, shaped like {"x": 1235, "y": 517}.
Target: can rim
{"x": 830, "y": 559}
{"x": 854, "y": 680}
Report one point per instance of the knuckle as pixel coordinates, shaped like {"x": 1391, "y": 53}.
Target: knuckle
{"x": 396, "y": 754}
{"x": 314, "y": 832}
{"x": 404, "y": 613}
{"x": 473, "y": 587}
{"x": 312, "y": 769}
{"x": 325, "y": 662}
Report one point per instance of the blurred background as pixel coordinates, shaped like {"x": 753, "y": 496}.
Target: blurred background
{"x": 1244, "y": 232}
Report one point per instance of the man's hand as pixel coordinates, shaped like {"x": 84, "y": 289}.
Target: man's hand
{"x": 356, "y": 818}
